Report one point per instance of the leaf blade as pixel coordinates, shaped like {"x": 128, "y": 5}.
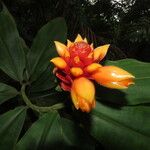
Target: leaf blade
{"x": 6, "y": 92}
{"x": 125, "y": 128}
{"x": 10, "y": 126}
{"x": 43, "y": 46}
{"x": 51, "y": 134}
{"x": 12, "y": 57}
{"x": 45, "y": 82}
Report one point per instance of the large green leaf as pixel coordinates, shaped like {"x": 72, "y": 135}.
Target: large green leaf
{"x": 138, "y": 93}
{"x": 122, "y": 129}
{"x": 7, "y": 92}
{"x": 10, "y": 126}
{"x": 45, "y": 82}
{"x": 12, "y": 57}
{"x": 49, "y": 98}
{"x": 53, "y": 132}
{"x": 43, "y": 46}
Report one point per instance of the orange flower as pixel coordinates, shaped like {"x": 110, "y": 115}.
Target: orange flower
{"x": 81, "y": 96}
{"x": 113, "y": 77}
{"x": 78, "y": 63}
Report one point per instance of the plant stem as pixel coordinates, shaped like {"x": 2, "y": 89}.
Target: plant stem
{"x": 38, "y": 108}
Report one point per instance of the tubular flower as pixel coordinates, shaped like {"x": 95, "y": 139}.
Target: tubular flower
{"x": 78, "y": 64}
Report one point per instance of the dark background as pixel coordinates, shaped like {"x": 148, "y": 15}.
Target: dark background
{"x": 125, "y": 23}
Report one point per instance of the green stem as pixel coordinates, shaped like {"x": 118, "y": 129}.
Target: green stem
{"x": 38, "y": 108}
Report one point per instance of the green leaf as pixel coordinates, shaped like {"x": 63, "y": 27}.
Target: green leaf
{"x": 121, "y": 129}
{"x": 74, "y": 136}
{"x": 43, "y": 48}
{"x": 45, "y": 82}
{"x": 138, "y": 93}
{"x": 51, "y": 97}
{"x": 25, "y": 47}
{"x": 53, "y": 132}
{"x": 7, "y": 92}
{"x": 10, "y": 126}
{"x": 12, "y": 57}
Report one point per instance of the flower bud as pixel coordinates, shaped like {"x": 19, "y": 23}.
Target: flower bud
{"x": 113, "y": 77}
{"x": 83, "y": 94}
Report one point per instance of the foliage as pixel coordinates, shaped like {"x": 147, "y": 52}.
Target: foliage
{"x": 119, "y": 121}
{"x": 123, "y": 23}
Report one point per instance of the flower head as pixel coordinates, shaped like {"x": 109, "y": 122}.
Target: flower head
{"x": 78, "y": 64}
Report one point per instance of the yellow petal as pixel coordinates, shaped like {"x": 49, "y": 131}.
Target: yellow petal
{"x": 69, "y": 43}
{"x": 74, "y": 99}
{"x": 100, "y": 52}
{"x": 83, "y": 94}
{"x": 85, "y": 40}
{"x": 92, "y": 47}
{"x": 76, "y": 71}
{"x": 78, "y": 38}
{"x": 61, "y": 49}
{"x": 84, "y": 105}
{"x": 59, "y": 62}
{"x": 92, "y": 67}
{"x": 90, "y": 55}
{"x": 113, "y": 77}
{"x": 76, "y": 59}
{"x": 55, "y": 70}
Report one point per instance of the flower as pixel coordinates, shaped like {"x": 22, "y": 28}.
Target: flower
{"x": 81, "y": 96}
{"x": 78, "y": 64}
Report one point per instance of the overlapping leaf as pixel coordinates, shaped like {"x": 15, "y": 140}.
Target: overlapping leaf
{"x": 45, "y": 81}
{"x": 53, "y": 132}
{"x": 6, "y": 92}
{"x": 12, "y": 57}
{"x": 136, "y": 94}
{"x": 10, "y": 126}
{"x": 43, "y": 46}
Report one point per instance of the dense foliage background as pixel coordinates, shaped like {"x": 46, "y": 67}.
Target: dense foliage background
{"x": 121, "y": 117}
{"x": 123, "y": 23}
